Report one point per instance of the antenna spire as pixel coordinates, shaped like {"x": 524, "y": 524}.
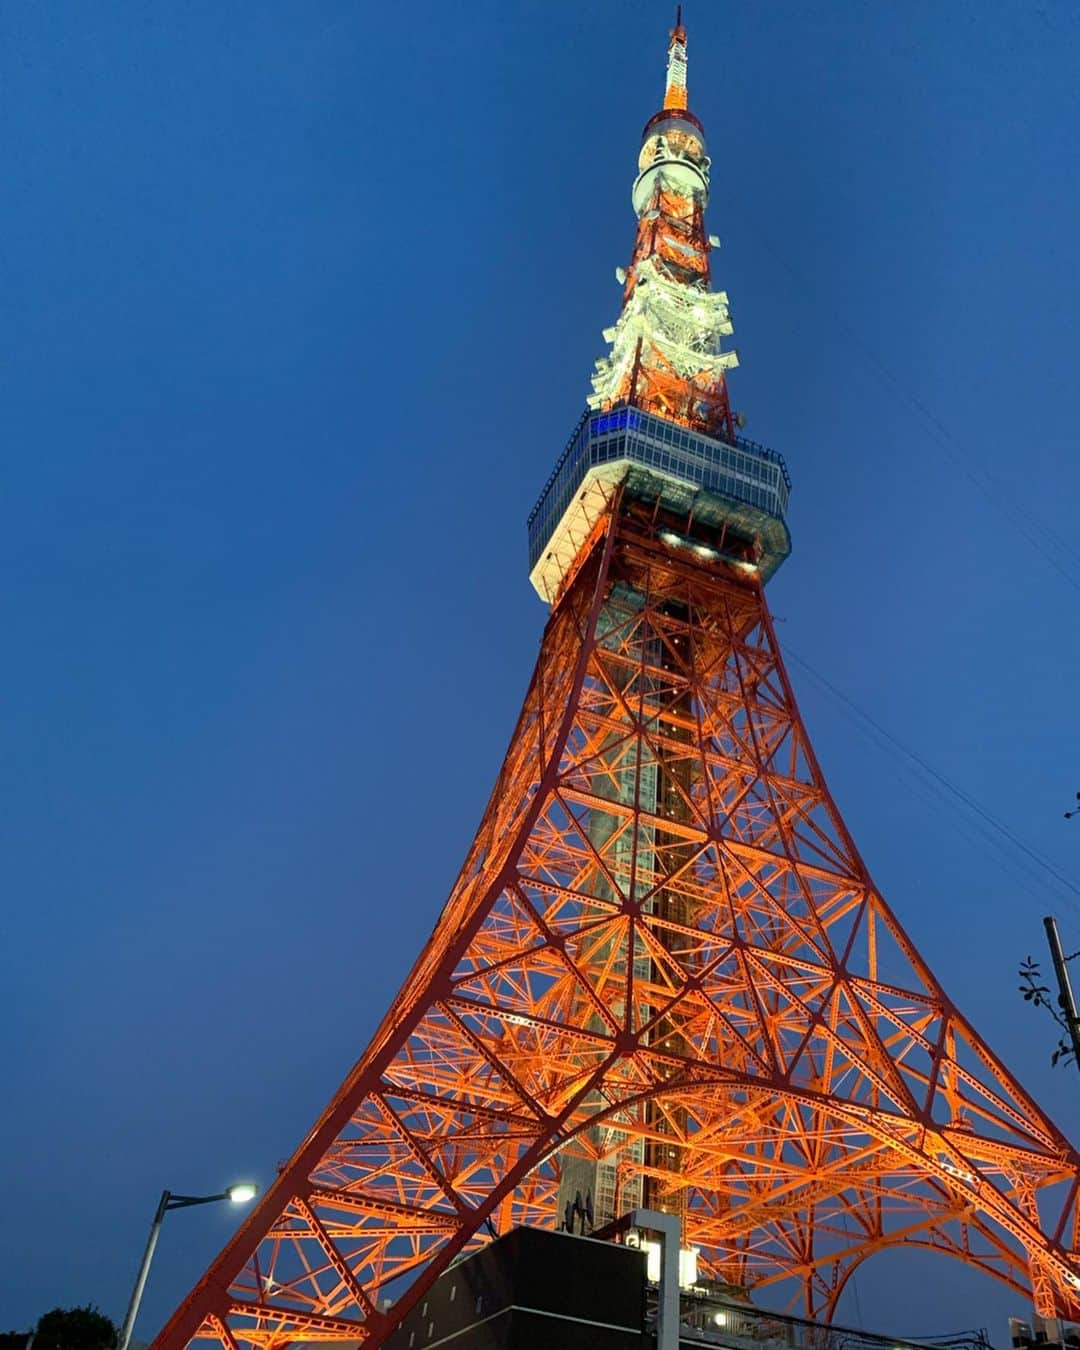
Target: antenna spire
{"x": 675, "y": 90}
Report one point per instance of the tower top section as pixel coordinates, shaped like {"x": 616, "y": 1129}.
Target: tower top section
{"x": 659, "y": 422}
{"x": 665, "y": 354}
{"x": 673, "y": 137}
{"x": 675, "y": 92}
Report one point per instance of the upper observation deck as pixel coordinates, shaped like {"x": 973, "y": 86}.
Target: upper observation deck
{"x": 734, "y": 486}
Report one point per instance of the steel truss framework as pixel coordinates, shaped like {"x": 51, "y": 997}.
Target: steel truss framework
{"x": 717, "y": 978}
{"x": 665, "y": 355}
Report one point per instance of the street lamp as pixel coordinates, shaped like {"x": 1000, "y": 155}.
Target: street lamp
{"x": 241, "y": 1192}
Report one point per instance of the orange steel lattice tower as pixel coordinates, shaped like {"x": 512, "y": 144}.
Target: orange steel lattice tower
{"x": 664, "y": 975}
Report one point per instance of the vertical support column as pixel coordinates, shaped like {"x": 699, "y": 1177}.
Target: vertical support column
{"x": 673, "y": 789}
{"x": 1065, "y": 993}
{"x": 669, "y": 1229}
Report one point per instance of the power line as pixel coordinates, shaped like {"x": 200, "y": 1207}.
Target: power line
{"x": 1043, "y": 539}
{"x": 951, "y": 791}
{"x": 914, "y": 779}
{"x": 1001, "y": 497}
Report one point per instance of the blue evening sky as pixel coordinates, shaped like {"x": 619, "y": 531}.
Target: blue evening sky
{"x": 298, "y": 305}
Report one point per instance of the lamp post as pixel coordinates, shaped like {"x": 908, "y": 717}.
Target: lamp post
{"x": 238, "y": 1194}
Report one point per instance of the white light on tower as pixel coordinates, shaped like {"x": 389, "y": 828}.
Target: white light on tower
{"x": 688, "y": 1267}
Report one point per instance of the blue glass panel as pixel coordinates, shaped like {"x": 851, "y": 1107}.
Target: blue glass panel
{"x": 744, "y": 472}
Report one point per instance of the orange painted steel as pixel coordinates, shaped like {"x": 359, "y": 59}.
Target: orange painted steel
{"x": 675, "y": 95}
{"x": 663, "y": 928}
{"x": 700, "y": 402}
{"x": 672, "y": 232}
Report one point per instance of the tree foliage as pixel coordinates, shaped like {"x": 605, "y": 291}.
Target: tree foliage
{"x": 75, "y": 1329}
{"x": 1038, "y": 995}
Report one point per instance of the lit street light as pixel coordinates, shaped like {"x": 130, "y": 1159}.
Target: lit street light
{"x": 238, "y": 1194}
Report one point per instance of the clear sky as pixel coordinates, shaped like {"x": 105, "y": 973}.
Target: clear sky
{"x": 298, "y": 305}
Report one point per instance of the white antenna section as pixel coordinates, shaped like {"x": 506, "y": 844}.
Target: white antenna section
{"x": 683, "y": 324}
{"x": 676, "y": 74}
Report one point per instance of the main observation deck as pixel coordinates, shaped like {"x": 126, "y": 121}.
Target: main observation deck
{"x": 737, "y": 483}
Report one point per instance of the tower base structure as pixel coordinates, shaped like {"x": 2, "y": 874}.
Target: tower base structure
{"x": 664, "y": 955}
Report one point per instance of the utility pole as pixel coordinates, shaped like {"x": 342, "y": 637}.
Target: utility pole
{"x": 1065, "y": 994}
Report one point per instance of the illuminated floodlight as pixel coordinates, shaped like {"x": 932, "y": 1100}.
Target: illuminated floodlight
{"x": 242, "y": 1192}
{"x": 688, "y": 1259}
{"x": 688, "y": 1267}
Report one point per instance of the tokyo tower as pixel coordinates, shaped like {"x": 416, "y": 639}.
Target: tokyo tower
{"x": 664, "y": 977}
